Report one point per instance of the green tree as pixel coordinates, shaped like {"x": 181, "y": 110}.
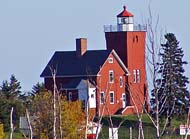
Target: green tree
{"x": 39, "y": 87}
{"x": 5, "y": 90}
{"x": 11, "y": 90}
{"x": 9, "y": 97}
{"x": 173, "y": 95}
{"x": 15, "y": 88}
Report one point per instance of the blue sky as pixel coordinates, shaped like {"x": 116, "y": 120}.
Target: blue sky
{"x": 32, "y": 30}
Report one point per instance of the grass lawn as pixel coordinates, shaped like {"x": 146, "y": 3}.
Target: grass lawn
{"x": 16, "y": 135}
{"x": 132, "y": 121}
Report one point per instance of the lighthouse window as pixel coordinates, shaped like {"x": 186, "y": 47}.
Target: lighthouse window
{"x": 136, "y": 38}
{"x": 124, "y": 20}
{"x": 130, "y": 20}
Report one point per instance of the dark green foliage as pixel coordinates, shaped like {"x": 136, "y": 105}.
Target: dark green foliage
{"x": 11, "y": 90}
{"x": 10, "y": 97}
{"x": 173, "y": 95}
{"x": 15, "y": 86}
{"x": 39, "y": 87}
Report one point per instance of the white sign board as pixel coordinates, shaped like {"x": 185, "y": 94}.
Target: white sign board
{"x": 93, "y": 127}
{"x": 24, "y": 127}
{"x": 115, "y": 133}
{"x": 184, "y": 129}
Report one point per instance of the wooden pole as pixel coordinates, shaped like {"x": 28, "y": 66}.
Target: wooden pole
{"x": 131, "y": 132}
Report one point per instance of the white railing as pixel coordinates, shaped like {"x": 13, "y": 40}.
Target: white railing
{"x": 115, "y": 28}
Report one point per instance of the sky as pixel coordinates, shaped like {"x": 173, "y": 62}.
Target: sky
{"x": 32, "y": 30}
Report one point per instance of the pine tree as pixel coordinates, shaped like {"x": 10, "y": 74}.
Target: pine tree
{"x": 9, "y": 97}
{"x": 173, "y": 95}
{"x": 39, "y": 87}
{"x": 15, "y": 86}
{"x": 11, "y": 90}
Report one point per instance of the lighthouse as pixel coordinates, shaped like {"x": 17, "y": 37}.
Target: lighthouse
{"x": 128, "y": 40}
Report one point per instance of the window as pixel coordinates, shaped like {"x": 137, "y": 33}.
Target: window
{"x": 92, "y": 95}
{"x": 135, "y": 39}
{"x": 111, "y": 97}
{"x": 111, "y": 76}
{"x": 121, "y": 81}
{"x": 138, "y": 76}
{"x": 125, "y": 20}
{"x": 102, "y": 98}
{"x": 110, "y": 60}
{"x": 134, "y": 76}
{"x": 130, "y": 20}
{"x": 70, "y": 96}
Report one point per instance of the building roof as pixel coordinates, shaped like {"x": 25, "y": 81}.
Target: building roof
{"x": 125, "y": 13}
{"x": 73, "y": 84}
{"x": 66, "y": 63}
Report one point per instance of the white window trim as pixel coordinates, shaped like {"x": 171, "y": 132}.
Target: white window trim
{"x": 111, "y": 81}
{"x": 138, "y": 76}
{"x": 134, "y": 76}
{"x": 112, "y": 92}
{"x": 110, "y": 60}
{"x": 70, "y": 96}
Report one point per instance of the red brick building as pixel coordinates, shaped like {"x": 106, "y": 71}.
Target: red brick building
{"x": 128, "y": 40}
{"x": 111, "y": 81}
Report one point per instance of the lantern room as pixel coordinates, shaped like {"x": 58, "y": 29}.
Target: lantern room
{"x": 125, "y": 20}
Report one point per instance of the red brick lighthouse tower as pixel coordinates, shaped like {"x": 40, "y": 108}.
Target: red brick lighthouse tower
{"x": 128, "y": 41}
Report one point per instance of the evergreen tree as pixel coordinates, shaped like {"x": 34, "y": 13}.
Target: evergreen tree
{"x": 9, "y": 97}
{"x": 15, "y": 86}
{"x": 173, "y": 95}
{"x": 11, "y": 90}
{"x": 5, "y": 89}
{"x": 39, "y": 87}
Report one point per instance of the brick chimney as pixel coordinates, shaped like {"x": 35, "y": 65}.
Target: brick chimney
{"x": 81, "y": 46}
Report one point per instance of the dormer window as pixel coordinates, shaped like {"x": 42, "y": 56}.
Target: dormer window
{"x": 110, "y": 60}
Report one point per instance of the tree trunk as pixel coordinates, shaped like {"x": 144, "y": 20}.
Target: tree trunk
{"x": 29, "y": 124}
{"x": 54, "y": 106}
{"x": 11, "y": 123}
